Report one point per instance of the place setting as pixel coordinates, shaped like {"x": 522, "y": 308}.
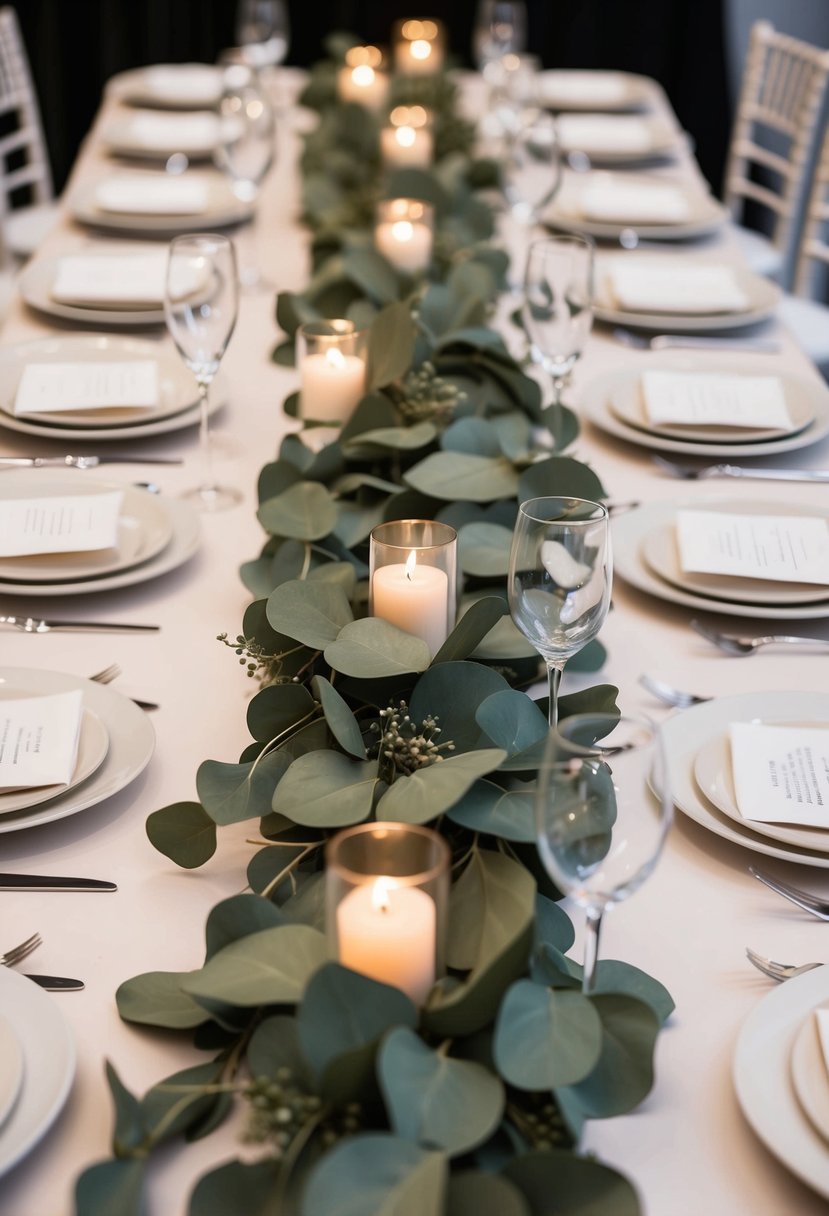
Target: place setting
{"x": 582, "y": 89}
{"x": 609, "y": 204}
{"x": 169, "y": 86}
{"x": 156, "y": 135}
{"x": 737, "y": 558}
{"x": 722, "y": 408}
{"x": 158, "y": 203}
{"x": 610, "y": 139}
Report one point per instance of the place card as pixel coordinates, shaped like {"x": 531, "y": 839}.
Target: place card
{"x": 39, "y": 739}
{"x": 151, "y": 195}
{"x": 616, "y": 202}
{"x": 781, "y": 773}
{"x": 61, "y": 387}
{"x": 62, "y": 524}
{"x": 707, "y": 399}
{"x": 134, "y": 279}
{"x": 597, "y": 133}
{"x": 674, "y": 287}
{"x": 780, "y": 548}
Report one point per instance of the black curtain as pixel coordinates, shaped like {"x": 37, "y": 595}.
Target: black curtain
{"x": 75, "y": 45}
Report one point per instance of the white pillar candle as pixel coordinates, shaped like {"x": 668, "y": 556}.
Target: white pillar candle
{"x": 363, "y": 84}
{"x": 406, "y": 146}
{"x": 331, "y": 384}
{"x": 389, "y": 933}
{"x": 415, "y": 598}
{"x": 418, "y": 57}
{"x": 407, "y": 245}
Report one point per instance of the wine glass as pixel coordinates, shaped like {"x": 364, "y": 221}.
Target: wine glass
{"x": 560, "y": 578}
{"x": 500, "y": 29}
{"x": 246, "y": 152}
{"x": 600, "y": 829}
{"x": 263, "y": 32}
{"x": 557, "y": 309}
{"x": 533, "y": 169}
{"x": 201, "y": 321}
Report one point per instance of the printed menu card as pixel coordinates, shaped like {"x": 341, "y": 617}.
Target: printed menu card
{"x": 53, "y": 387}
{"x": 781, "y": 773}
{"x": 782, "y": 548}
{"x": 39, "y": 739}
{"x": 708, "y": 399}
{"x": 61, "y": 524}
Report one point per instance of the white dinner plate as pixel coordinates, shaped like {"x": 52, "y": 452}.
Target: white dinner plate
{"x": 12, "y": 1068}
{"x": 93, "y": 746}
{"x": 183, "y": 544}
{"x": 49, "y": 1064}
{"x": 601, "y": 405}
{"x": 660, "y": 553}
{"x": 131, "y": 745}
{"x": 153, "y": 136}
{"x": 660, "y": 138}
{"x": 630, "y": 531}
{"x": 762, "y": 1078}
{"x": 810, "y": 1077}
{"x": 37, "y": 279}
{"x": 145, "y": 528}
{"x": 583, "y": 89}
{"x": 705, "y": 215}
{"x": 762, "y": 296}
{"x": 713, "y": 775}
{"x": 685, "y": 733}
{"x": 223, "y": 210}
{"x": 170, "y": 86}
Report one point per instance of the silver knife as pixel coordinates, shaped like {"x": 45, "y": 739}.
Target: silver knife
{"x": 736, "y": 470}
{"x": 55, "y": 983}
{"x": 80, "y": 462}
{"x": 32, "y": 624}
{"x": 43, "y": 882}
{"x": 766, "y": 346}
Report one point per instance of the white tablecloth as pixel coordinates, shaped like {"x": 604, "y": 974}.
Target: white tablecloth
{"x": 687, "y": 1148}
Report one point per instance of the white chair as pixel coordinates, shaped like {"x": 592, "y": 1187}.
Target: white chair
{"x": 776, "y": 131}
{"x": 807, "y": 317}
{"x": 24, "y": 163}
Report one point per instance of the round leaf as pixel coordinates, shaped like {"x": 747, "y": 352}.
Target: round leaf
{"x": 486, "y": 807}
{"x": 311, "y": 612}
{"x": 544, "y": 1037}
{"x": 581, "y": 1186}
{"x": 560, "y": 475}
{"x": 156, "y": 998}
{"x": 391, "y": 340}
{"x": 623, "y": 1075}
{"x": 236, "y": 917}
{"x": 479, "y": 1194}
{"x": 452, "y": 692}
{"x": 269, "y": 967}
{"x": 231, "y": 793}
{"x": 372, "y": 648}
{"x": 376, "y": 1173}
{"x": 430, "y": 791}
{"x": 184, "y": 832}
{"x": 454, "y": 475}
{"x": 306, "y": 511}
{"x": 326, "y": 789}
{"x": 484, "y": 550}
{"x": 492, "y": 901}
{"x": 512, "y": 721}
{"x": 341, "y": 721}
{"x": 473, "y": 626}
{"x": 274, "y": 1044}
{"x": 276, "y": 708}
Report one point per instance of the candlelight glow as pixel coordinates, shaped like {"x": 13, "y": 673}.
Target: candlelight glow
{"x": 405, "y": 136}
{"x": 334, "y": 357}
{"x": 411, "y": 563}
{"x": 363, "y": 75}
{"x": 380, "y": 894}
{"x": 402, "y": 230}
{"x": 361, "y": 55}
{"x": 421, "y": 49}
{"x": 409, "y": 116}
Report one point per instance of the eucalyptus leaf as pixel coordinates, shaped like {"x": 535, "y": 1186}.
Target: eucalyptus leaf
{"x": 484, "y": 550}
{"x": 307, "y": 511}
{"x": 546, "y": 1037}
{"x": 269, "y": 967}
{"x": 275, "y": 1044}
{"x": 276, "y": 708}
{"x": 435, "y": 1100}
{"x": 129, "y": 1130}
{"x": 374, "y": 412}
{"x": 341, "y": 721}
{"x": 391, "y": 341}
{"x": 475, "y": 435}
{"x": 581, "y": 1186}
{"x": 231, "y": 793}
{"x": 157, "y": 998}
{"x": 454, "y": 475}
{"x": 306, "y": 906}
{"x": 111, "y": 1186}
{"x": 553, "y": 926}
{"x": 623, "y": 1075}
{"x": 376, "y": 1172}
{"x": 560, "y": 475}
{"x": 373, "y": 274}
{"x": 313, "y": 613}
{"x": 490, "y": 809}
{"x": 237, "y": 917}
{"x": 341, "y": 574}
{"x": 490, "y": 904}
{"x": 512, "y": 721}
{"x": 397, "y": 438}
{"x": 372, "y": 648}
{"x": 184, "y": 832}
{"x": 451, "y": 692}
{"x": 613, "y": 975}
{"x": 591, "y": 658}
{"x": 475, "y": 1193}
{"x": 429, "y": 791}
{"x": 473, "y": 626}
{"x": 235, "y": 1186}
{"x": 277, "y": 477}
{"x": 181, "y": 1103}
{"x": 326, "y": 789}
{"x": 562, "y": 424}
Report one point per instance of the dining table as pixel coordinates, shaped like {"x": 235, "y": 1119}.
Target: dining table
{"x": 687, "y": 1148}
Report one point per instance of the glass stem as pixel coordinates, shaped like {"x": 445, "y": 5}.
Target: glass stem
{"x": 554, "y": 671}
{"x": 592, "y": 929}
{"x": 208, "y": 480}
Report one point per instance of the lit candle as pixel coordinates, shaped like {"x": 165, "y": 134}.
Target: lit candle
{"x": 389, "y": 932}
{"x": 419, "y": 49}
{"x": 407, "y": 245}
{"x": 331, "y": 385}
{"x": 363, "y": 84}
{"x": 406, "y": 146}
{"x": 415, "y": 598}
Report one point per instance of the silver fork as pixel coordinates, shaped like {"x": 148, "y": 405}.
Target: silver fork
{"x": 729, "y": 643}
{"x": 796, "y": 895}
{"x": 687, "y": 472}
{"x": 694, "y": 342}
{"x": 18, "y": 953}
{"x": 668, "y": 694}
{"x": 112, "y": 673}
{"x": 778, "y": 971}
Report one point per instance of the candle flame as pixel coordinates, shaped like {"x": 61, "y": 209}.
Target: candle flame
{"x": 334, "y": 358}
{"x": 363, "y": 75}
{"x": 380, "y": 893}
{"x": 405, "y": 136}
{"x": 411, "y": 563}
{"x": 402, "y": 230}
{"x": 421, "y": 49}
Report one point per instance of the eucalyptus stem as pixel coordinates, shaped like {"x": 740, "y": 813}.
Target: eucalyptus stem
{"x": 295, "y": 1150}
{"x": 289, "y": 868}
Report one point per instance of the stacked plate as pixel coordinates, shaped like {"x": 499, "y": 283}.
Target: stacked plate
{"x": 615, "y": 404}
{"x": 160, "y": 204}
{"x": 606, "y": 205}
{"x": 781, "y": 1078}
{"x": 617, "y": 138}
{"x": 154, "y": 535}
{"x": 154, "y": 135}
{"x": 589, "y": 90}
{"x": 645, "y": 555}
{"x": 177, "y": 400}
{"x": 170, "y": 86}
{"x": 37, "y": 1064}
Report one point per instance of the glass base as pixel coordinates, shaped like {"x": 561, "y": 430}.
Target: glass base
{"x": 213, "y": 498}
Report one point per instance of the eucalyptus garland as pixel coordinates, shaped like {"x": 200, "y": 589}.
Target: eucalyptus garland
{"x": 362, "y": 1103}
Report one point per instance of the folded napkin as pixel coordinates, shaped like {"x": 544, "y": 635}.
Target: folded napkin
{"x": 775, "y": 548}
{"x": 676, "y": 288}
{"x": 134, "y": 280}
{"x": 58, "y": 387}
{"x": 605, "y": 133}
{"x": 611, "y": 201}
{"x": 584, "y": 88}
{"x": 59, "y": 524}
{"x": 39, "y": 739}
{"x": 174, "y": 132}
{"x": 708, "y": 399}
{"x": 781, "y": 773}
{"x": 184, "y": 82}
{"x": 150, "y": 195}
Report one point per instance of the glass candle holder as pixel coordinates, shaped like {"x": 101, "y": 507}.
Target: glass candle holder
{"x": 361, "y": 79}
{"x": 413, "y": 578}
{"x": 386, "y": 894}
{"x": 404, "y": 233}
{"x": 331, "y": 357}
{"x": 419, "y": 46}
{"x": 408, "y": 139}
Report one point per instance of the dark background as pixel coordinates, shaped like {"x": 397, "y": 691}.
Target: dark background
{"x": 74, "y": 46}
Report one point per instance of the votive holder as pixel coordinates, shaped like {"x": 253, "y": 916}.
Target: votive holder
{"x": 419, "y": 46}
{"x": 386, "y": 897}
{"x": 408, "y": 139}
{"x": 404, "y": 233}
{"x": 361, "y": 78}
{"x": 331, "y": 357}
{"x": 413, "y": 578}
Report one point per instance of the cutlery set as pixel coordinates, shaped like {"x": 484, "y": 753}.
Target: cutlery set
{"x": 687, "y": 472}
{"x": 80, "y": 462}
{"x": 39, "y": 882}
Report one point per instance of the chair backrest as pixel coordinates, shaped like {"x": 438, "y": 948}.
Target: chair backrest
{"x": 776, "y": 133}
{"x": 24, "y": 161}
{"x": 812, "y": 272}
